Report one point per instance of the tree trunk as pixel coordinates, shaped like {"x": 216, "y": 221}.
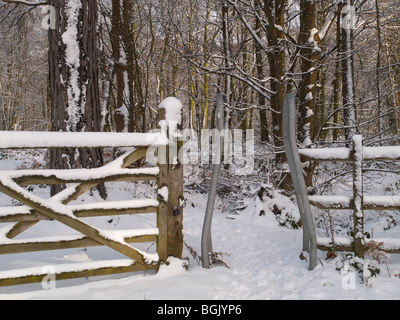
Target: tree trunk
{"x": 227, "y": 62}
{"x": 123, "y": 56}
{"x": 310, "y": 53}
{"x": 349, "y": 108}
{"x": 275, "y": 12}
{"x": 379, "y": 78}
{"x": 336, "y": 85}
{"x": 73, "y": 77}
{"x": 260, "y": 76}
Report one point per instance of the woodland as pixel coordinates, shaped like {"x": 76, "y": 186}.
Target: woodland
{"x": 105, "y": 65}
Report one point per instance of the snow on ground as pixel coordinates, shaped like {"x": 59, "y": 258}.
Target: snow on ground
{"x": 263, "y": 260}
{"x": 264, "y": 264}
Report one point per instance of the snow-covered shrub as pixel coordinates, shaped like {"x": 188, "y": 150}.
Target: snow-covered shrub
{"x": 366, "y": 269}
{"x": 369, "y": 267}
{"x": 270, "y": 201}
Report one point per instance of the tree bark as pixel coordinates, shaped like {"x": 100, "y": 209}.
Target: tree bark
{"x": 73, "y": 77}
{"x": 336, "y": 85}
{"x": 260, "y": 75}
{"x": 310, "y": 53}
{"x": 275, "y": 12}
{"x": 123, "y": 56}
{"x": 349, "y": 108}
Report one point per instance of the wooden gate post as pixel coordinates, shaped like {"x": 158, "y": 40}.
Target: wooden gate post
{"x": 171, "y": 200}
{"x": 358, "y": 196}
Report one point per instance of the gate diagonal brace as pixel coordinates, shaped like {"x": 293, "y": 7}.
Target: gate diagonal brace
{"x": 61, "y": 213}
{"x": 71, "y": 193}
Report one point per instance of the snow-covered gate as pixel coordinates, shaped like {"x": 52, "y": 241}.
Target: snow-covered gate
{"x": 168, "y": 206}
{"x": 358, "y": 202}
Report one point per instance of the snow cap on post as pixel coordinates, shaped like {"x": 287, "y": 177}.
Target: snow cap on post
{"x": 170, "y": 124}
{"x": 172, "y": 120}
{"x": 173, "y": 111}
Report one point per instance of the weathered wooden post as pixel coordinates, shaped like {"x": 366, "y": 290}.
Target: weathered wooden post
{"x": 358, "y": 196}
{"x": 170, "y": 184}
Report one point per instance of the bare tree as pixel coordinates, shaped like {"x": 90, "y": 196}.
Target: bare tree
{"x": 23, "y": 72}
{"x": 346, "y": 49}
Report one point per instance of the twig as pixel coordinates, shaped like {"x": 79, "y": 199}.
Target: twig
{"x": 27, "y": 3}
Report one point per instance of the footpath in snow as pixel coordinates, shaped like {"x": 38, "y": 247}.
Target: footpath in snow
{"x": 261, "y": 258}
{"x": 263, "y": 264}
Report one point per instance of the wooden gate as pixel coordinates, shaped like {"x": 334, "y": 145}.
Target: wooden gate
{"x": 358, "y": 202}
{"x": 168, "y": 206}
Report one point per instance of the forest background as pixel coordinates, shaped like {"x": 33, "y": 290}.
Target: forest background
{"x": 105, "y": 65}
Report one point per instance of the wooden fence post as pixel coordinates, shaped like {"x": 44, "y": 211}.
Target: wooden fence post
{"x": 171, "y": 200}
{"x": 358, "y": 196}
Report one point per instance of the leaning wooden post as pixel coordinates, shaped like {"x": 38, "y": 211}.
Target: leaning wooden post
{"x": 358, "y": 196}
{"x": 170, "y": 184}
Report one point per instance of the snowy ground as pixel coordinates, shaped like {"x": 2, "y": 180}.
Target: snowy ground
{"x": 263, "y": 260}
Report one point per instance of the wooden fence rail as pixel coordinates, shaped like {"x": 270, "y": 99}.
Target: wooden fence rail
{"x": 358, "y": 202}
{"x": 168, "y": 206}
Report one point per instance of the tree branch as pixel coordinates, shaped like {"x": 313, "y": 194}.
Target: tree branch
{"x": 27, "y": 3}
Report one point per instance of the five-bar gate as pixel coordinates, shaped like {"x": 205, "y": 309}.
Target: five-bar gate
{"x": 357, "y": 154}
{"x": 168, "y": 205}
{"x": 358, "y": 202}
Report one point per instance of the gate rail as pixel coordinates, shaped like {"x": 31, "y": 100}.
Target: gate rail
{"x": 167, "y": 233}
{"x": 358, "y": 202}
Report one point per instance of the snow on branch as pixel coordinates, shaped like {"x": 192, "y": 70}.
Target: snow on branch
{"x": 330, "y": 19}
{"x": 27, "y": 3}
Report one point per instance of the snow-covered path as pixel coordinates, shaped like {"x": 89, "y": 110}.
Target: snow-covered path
{"x": 264, "y": 264}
